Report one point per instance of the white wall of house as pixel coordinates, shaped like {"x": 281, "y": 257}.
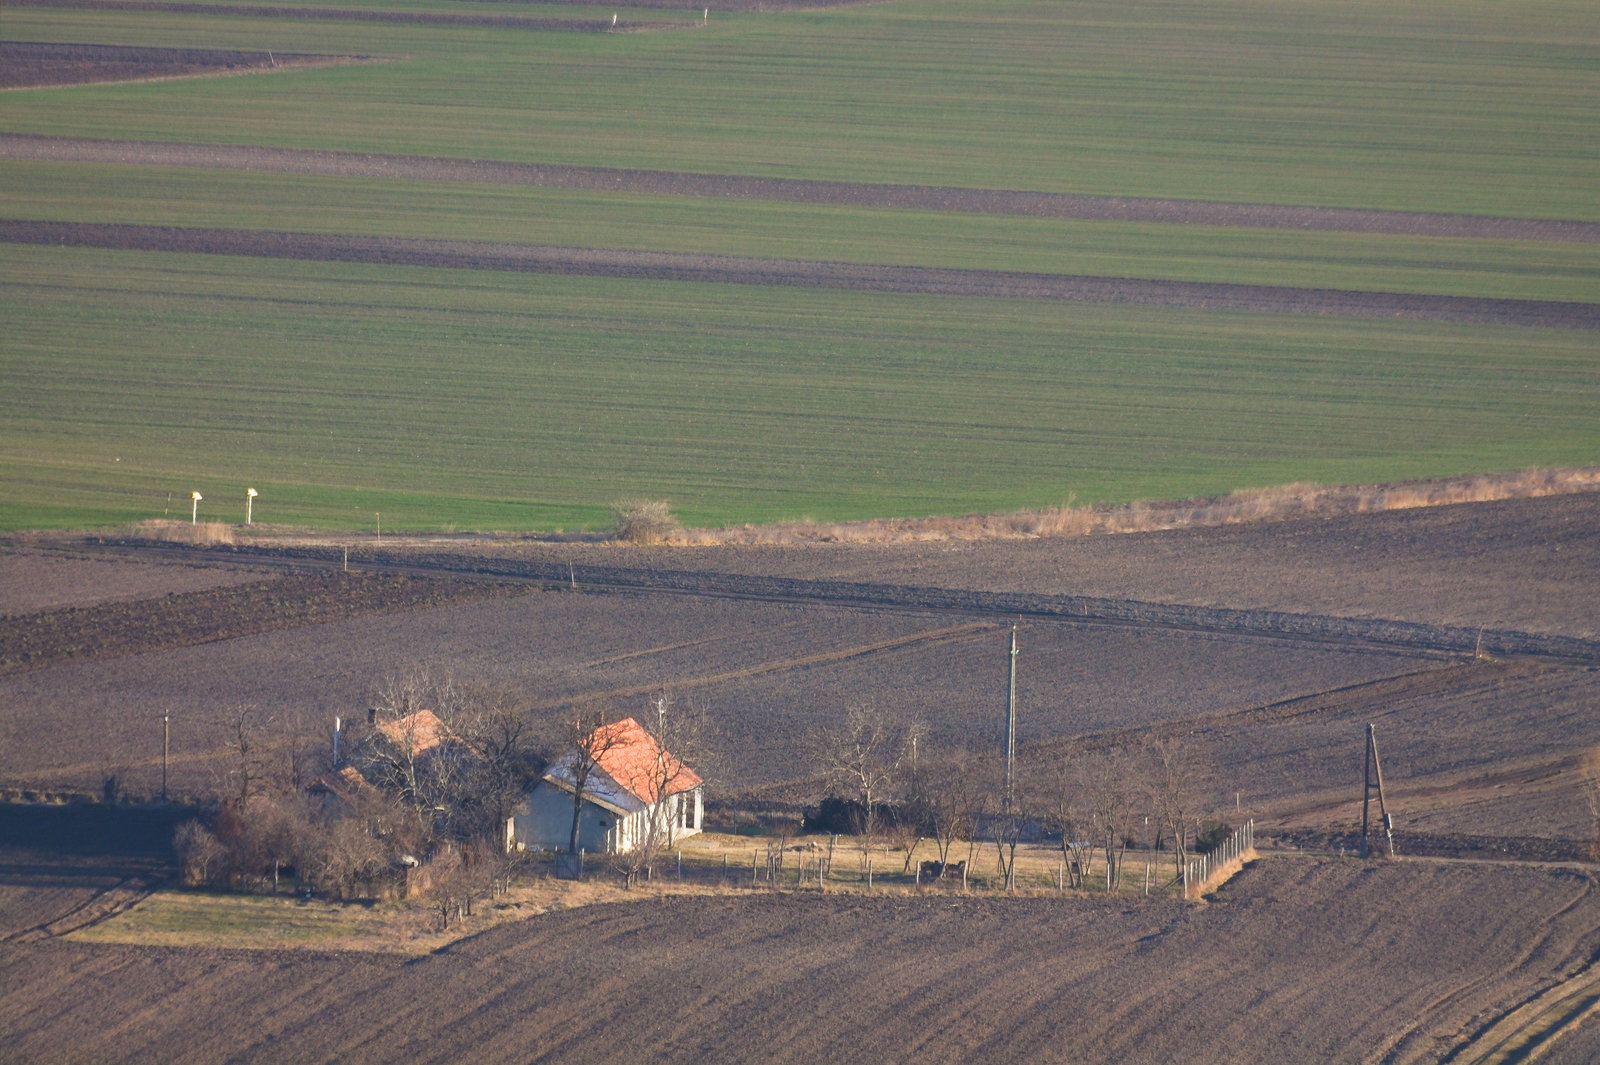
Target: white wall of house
{"x": 545, "y": 821}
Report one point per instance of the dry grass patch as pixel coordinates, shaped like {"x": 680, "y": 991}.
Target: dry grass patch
{"x": 712, "y": 864}
{"x": 1279, "y": 503}
{"x": 193, "y": 534}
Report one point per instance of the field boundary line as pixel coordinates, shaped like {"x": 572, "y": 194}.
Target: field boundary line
{"x": 1399, "y": 637}
{"x": 843, "y": 654}
{"x": 934, "y": 198}
{"x": 638, "y": 265}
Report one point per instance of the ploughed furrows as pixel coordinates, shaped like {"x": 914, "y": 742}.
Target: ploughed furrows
{"x": 1293, "y": 961}
{"x": 789, "y": 190}
{"x": 1448, "y": 639}
{"x": 749, "y": 270}
{"x": 79, "y": 633}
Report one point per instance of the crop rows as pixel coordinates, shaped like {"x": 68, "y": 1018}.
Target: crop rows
{"x": 356, "y": 394}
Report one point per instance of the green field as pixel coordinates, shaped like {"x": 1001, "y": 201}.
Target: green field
{"x": 455, "y": 398}
{"x": 510, "y": 401}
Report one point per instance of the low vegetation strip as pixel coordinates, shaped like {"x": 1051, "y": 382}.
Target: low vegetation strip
{"x": 325, "y": 14}
{"x": 725, "y": 186}
{"x": 747, "y": 270}
{"x": 54, "y": 637}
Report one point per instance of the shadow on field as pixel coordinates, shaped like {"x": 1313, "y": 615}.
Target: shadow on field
{"x": 107, "y": 838}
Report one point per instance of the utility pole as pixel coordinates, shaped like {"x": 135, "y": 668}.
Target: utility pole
{"x": 166, "y": 748}
{"x": 1011, "y": 719}
{"x": 1372, "y": 775}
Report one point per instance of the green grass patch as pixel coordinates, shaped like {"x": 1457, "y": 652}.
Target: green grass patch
{"x": 1360, "y": 261}
{"x": 201, "y": 919}
{"x": 513, "y": 401}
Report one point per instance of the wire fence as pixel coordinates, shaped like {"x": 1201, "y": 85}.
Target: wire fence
{"x": 1199, "y": 872}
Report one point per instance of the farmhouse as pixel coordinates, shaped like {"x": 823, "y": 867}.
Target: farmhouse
{"x": 633, "y": 792}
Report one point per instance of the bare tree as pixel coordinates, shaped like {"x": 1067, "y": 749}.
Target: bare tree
{"x": 863, "y": 754}
{"x": 248, "y": 731}
{"x": 1109, "y": 793}
{"x": 1175, "y": 789}
{"x": 460, "y": 755}
{"x": 951, "y": 794}
{"x": 200, "y": 853}
{"x": 660, "y": 779}
{"x": 587, "y": 741}
{"x": 1009, "y": 816}
{"x": 1067, "y": 810}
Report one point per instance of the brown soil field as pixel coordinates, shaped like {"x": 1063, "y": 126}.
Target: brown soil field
{"x": 726, "y": 186}
{"x": 1294, "y": 961}
{"x": 323, "y": 14}
{"x": 1529, "y": 564}
{"x": 1297, "y": 959}
{"x": 27, "y": 64}
{"x": 770, "y": 673}
{"x": 747, "y": 270}
{"x": 1476, "y": 753}
{"x": 112, "y": 629}
{"x": 47, "y": 580}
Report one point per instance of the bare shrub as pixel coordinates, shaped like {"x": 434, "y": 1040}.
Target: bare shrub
{"x": 204, "y": 534}
{"x": 642, "y": 521}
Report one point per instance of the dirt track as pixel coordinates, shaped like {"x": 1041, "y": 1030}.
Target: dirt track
{"x": 723, "y": 186}
{"x": 746, "y": 270}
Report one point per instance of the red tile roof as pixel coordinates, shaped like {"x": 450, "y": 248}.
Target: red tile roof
{"x": 418, "y": 732}
{"x": 629, "y": 755}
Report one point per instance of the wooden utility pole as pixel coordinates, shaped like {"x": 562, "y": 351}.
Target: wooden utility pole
{"x": 1011, "y": 720}
{"x": 1372, "y": 776}
{"x": 166, "y": 747}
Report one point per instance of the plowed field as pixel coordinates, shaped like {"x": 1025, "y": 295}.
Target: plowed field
{"x": 1294, "y": 962}
{"x": 1480, "y": 757}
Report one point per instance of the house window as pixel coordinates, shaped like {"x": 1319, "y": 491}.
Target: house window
{"x": 686, "y": 803}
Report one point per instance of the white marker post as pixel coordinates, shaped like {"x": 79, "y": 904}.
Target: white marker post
{"x": 194, "y": 508}
{"x": 249, "y": 506}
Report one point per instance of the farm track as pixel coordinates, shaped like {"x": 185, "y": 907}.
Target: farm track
{"x": 1410, "y": 637}
{"x": 942, "y": 199}
{"x": 1526, "y": 1032}
{"x": 749, "y": 270}
{"x": 101, "y": 906}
